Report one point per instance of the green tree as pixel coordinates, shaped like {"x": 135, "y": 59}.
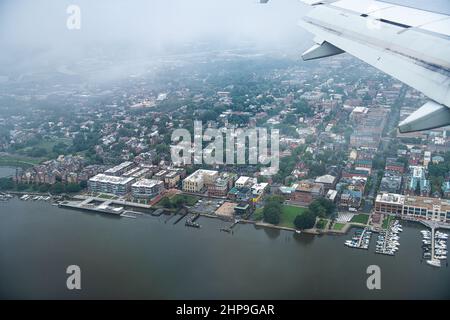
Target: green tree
{"x": 57, "y": 188}
{"x": 166, "y": 203}
{"x": 271, "y": 214}
{"x": 306, "y": 220}
{"x": 6, "y": 184}
{"x": 73, "y": 188}
{"x": 272, "y": 209}
{"x": 322, "y": 207}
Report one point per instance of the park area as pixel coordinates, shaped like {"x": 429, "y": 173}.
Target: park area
{"x": 288, "y": 215}
{"x": 338, "y": 226}
{"x": 360, "y": 218}
{"x": 177, "y": 201}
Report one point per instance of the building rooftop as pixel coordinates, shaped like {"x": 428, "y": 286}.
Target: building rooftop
{"x": 308, "y": 186}
{"x": 146, "y": 183}
{"x": 429, "y": 203}
{"x": 103, "y": 178}
{"x": 242, "y": 180}
{"x": 259, "y": 187}
{"x": 328, "y": 178}
{"x": 119, "y": 167}
{"x": 200, "y": 174}
{"x": 391, "y": 198}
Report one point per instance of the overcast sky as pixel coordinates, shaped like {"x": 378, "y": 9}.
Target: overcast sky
{"x": 149, "y": 24}
{"x": 31, "y": 27}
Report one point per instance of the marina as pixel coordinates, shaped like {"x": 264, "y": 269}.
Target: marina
{"x": 360, "y": 239}
{"x": 388, "y": 240}
{"x": 325, "y": 262}
{"x": 434, "y": 246}
{"x": 190, "y": 223}
{"x": 5, "y": 196}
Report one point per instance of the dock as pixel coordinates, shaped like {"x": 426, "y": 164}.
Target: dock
{"x": 170, "y": 217}
{"x": 183, "y": 214}
{"x": 360, "y": 239}
{"x": 92, "y": 208}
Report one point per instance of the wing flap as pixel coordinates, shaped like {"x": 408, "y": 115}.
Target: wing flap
{"x": 322, "y": 50}
{"x": 431, "y": 115}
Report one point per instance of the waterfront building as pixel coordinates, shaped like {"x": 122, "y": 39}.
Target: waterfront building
{"x": 258, "y": 190}
{"x": 197, "y": 181}
{"x": 147, "y": 188}
{"x": 103, "y": 183}
{"x": 426, "y": 208}
{"x": 242, "y": 208}
{"x": 171, "y": 177}
{"x": 240, "y": 195}
{"x": 221, "y": 185}
{"x": 307, "y": 191}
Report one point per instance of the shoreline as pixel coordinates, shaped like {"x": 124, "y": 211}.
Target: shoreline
{"x": 256, "y": 223}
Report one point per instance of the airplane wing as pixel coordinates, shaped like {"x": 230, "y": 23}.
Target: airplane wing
{"x": 409, "y": 44}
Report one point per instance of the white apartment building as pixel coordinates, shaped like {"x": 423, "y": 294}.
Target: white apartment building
{"x": 103, "y": 183}
{"x": 147, "y": 188}
{"x": 244, "y": 181}
{"x": 197, "y": 181}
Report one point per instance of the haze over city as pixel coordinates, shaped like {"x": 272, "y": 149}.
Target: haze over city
{"x": 224, "y": 149}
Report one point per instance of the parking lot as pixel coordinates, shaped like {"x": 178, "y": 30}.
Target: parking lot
{"x": 206, "y": 205}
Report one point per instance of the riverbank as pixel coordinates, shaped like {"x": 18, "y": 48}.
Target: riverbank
{"x": 142, "y": 256}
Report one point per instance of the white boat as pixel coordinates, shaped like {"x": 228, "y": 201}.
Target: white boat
{"x": 434, "y": 262}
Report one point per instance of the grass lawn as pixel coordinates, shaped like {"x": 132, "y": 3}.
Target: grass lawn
{"x": 338, "y": 226}
{"x": 386, "y": 222}
{"x": 19, "y": 161}
{"x": 360, "y": 218}
{"x": 47, "y": 144}
{"x": 321, "y": 223}
{"x": 190, "y": 200}
{"x": 288, "y": 214}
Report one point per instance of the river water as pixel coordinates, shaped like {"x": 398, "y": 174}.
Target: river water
{"x": 146, "y": 258}
{"x": 7, "y": 171}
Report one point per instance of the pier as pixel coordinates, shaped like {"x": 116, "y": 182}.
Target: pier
{"x": 89, "y": 207}
{"x": 112, "y": 201}
{"x": 360, "y": 239}
{"x": 436, "y": 243}
{"x": 183, "y": 214}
